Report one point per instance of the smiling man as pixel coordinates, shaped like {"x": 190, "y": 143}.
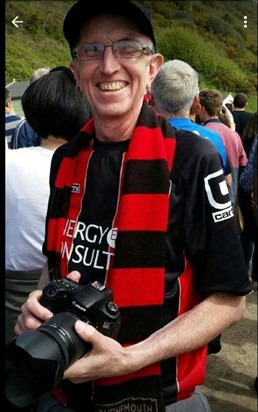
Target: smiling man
{"x": 136, "y": 207}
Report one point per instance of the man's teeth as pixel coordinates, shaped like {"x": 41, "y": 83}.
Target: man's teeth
{"x": 111, "y": 86}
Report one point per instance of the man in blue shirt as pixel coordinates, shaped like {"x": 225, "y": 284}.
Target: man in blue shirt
{"x": 174, "y": 91}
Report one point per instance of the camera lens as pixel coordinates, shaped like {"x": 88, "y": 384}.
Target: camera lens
{"x": 34, "y": 363}
{"x": 61, "y": 328}
{"x": 37, "y": 359}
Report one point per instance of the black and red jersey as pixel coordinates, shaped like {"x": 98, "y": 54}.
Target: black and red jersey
{"x": 203, "y": 251}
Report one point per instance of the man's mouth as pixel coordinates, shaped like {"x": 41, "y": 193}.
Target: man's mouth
{"x": 111, "y": 86}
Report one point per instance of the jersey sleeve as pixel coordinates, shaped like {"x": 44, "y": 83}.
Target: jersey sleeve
{"x": 210, "y": 239}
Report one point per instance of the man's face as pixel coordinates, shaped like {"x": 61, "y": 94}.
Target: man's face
{"x": 114, "y": 86}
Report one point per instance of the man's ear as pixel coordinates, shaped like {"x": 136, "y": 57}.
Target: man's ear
{"x": 75, "y": 71}
{"x": 195, "y": 101}
{"x": 196, "y": 107}
{"x": 155, "y": 64}
{"x": 9, "y": 106}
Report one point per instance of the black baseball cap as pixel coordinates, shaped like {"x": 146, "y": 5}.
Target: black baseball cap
{"x": 80, "y": 12}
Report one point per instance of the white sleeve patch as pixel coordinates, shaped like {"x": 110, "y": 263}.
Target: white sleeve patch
{"x": 217, "y": 193}
{"x": 223, "y": 215}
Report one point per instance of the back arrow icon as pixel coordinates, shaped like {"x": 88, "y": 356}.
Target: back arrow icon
{"x": 15, "y": 21}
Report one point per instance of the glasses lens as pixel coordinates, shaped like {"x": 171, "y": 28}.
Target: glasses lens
{"x": 92, "y": 51}
{"x": 127, "y": 49}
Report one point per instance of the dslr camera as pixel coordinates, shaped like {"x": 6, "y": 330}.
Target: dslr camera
{"x": 36, "y": 359}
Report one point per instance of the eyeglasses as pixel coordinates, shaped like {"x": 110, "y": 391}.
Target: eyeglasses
{"x": 124, "y": 49}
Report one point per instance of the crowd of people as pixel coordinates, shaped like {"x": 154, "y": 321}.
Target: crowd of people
{"x": 129, "y": 189}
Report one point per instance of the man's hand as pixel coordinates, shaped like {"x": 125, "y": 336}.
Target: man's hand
{"x": 33, "y": 314}
{"x": 107, "y": 358}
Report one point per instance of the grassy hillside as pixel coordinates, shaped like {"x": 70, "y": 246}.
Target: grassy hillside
{"x": 209, "y": 35}
{"x": 38, "y": 42}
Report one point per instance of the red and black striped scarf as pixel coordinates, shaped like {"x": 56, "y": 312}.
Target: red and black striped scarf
{"x": 137, "y": 273}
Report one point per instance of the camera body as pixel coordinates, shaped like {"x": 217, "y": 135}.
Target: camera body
{"x": 37, "y": 359}
{"x": 91, "y": 304}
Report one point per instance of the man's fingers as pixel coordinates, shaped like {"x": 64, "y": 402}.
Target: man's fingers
{"x": 74, "y": 275}
{"x": 85, "y": 331}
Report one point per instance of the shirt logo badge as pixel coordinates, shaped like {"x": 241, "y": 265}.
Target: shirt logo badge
{"x": 75, "y": 188}
{"x": 218, "y": 196}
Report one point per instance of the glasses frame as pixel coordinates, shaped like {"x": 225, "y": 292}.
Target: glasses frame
{"x": 144, "y": 50}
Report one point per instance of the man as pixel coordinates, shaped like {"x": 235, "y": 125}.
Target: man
{"x": 175, "y": 90}
{"x": 152, "y": 235}
{"x": 211, "y": 105}
{"x": 240, "y": 115}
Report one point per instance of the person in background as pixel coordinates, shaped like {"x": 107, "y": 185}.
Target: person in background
{"x": 175, "y": 90}
{"x": 38, "y": 73}
{"x": 226, "y": 117}
{"x": 249, "y": 234}
{"x": 229, "y": 106}
{"x": 56, "y": 109}
{"x": 240, "y": 115}
{"x": 24, "y": 135}
{"x": 211, "y": 106}
{"x": 255, "y": 191}
{"x": 153, "y": 200}
{"x": 11, "y": 119}
{"x": 255, "y": 210}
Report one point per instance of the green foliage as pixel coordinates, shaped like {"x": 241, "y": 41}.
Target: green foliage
{"x": 217, "y": 25}
{"x": 184, "y": 16}
{"x": 39, "y": 41}
{"x": 181, "y": 44}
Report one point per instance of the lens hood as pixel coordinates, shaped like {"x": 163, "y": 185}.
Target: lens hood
{"x": 34, "y": 365}
{"x": 36, "y": 359}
